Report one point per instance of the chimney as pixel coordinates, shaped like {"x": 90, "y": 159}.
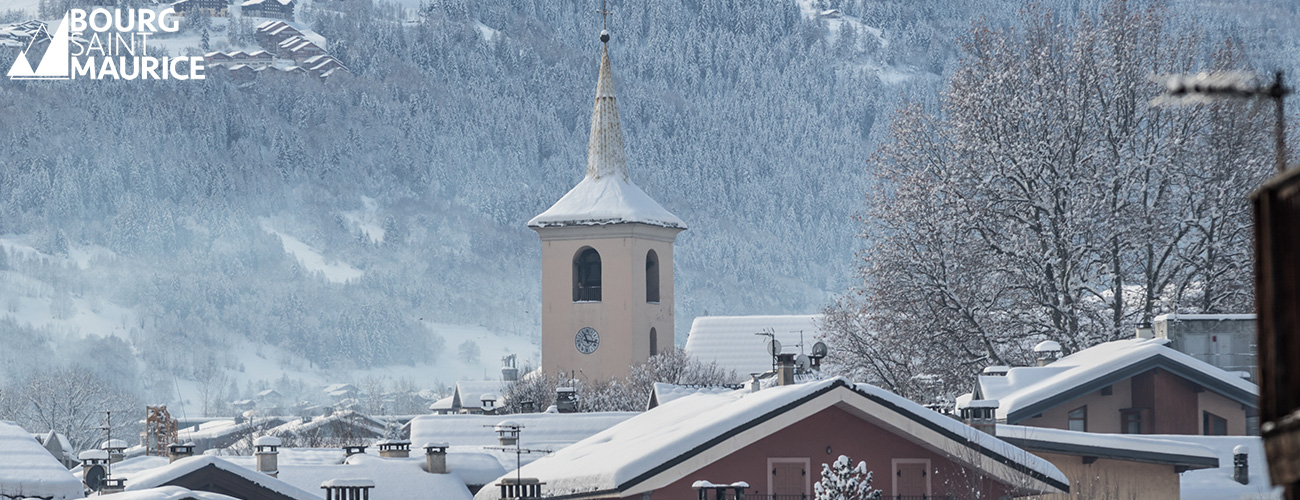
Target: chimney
{"x": 94, "y": 466}
{"x": 178, "y": 451}
{"x": 566, "y": 400}
{"x": 116, "y": 449}
{"x": 435, "y": 457}
{"x": 488, "y": 402}
{"x": 982, "y": 414}
{"x": 398, "y": 448}
{"x": 1047, "y": 351}
{"x": 509, "y": 372}
{"x": 507, "y": 432}
{"x": 347, "y": 489}
{"x": 113, "y": 485}
{"x": 354, "y": 450}
{"x": 1144, "y": 330}
{"x": 267, "y": 455}
{"x": 1240, "y": 464}
{"x": 785, "y": 368}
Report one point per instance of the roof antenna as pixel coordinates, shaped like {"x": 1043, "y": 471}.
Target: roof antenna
{"x": 604, "y": 20}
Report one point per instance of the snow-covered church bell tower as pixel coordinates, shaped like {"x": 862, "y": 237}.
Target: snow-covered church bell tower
{"x": 607, "y": 260}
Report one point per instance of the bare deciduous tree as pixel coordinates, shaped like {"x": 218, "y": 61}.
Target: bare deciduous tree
{"x": 1044, "y": 198}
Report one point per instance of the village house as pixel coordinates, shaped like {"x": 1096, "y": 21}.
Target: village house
{"x": 1113, "y": 465}
{"x": 210, "y": 8}
{"x": 1135, "y": 386}
{"x": 471, "y": 398}
{"x": 278, "y": 9}
{"x": 270, "y": 33}
{"x": 774, "y": 442}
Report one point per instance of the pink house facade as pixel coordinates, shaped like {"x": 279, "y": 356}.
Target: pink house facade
{"x": 776, "y": 441}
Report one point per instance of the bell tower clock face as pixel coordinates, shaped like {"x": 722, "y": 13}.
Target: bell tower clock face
{"x": 587, "y": 340}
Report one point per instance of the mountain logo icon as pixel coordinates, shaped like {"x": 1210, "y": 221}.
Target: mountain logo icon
{"x": 54, "y": 64}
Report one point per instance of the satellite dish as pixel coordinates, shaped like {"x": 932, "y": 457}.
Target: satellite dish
{"x": 802, "y": 362}
{"x": 774, "y": 347}
{"x": 93, "y": 477}
{"x": 819, "y": 350}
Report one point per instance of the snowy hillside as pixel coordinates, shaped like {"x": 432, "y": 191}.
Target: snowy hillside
{"x": 288, "y": 232}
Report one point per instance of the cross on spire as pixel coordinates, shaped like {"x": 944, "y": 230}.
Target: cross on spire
{"x": 604, "y": 20}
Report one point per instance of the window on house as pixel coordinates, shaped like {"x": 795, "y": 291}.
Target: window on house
{"x": 1213, "y": 425}
{"x": 1131, "y": 421}
{"x": 652, "y": 277}
{"x": 1078, "y": 419}
{"x": 586, "y": 275}
{"x": 654, "y": 342}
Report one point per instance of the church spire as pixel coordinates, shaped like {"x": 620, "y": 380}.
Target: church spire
{"x": 605, "y": 148}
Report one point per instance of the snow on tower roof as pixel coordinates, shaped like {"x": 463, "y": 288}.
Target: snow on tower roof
{"x": 1026, "y": 391}
{"x": 730, "y": 342}
{"x": 606, "y": 195}
{"x": 626, "y": 459}
{"x": 27, "y": 469}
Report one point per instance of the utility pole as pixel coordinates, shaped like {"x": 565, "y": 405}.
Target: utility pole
{"x": 1277, "y": 274}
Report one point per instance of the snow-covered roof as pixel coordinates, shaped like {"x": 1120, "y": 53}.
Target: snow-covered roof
{"x": 1217, "y": 484}
{"x": 664, "y": 393}
{"x": 624, "y": 460}
{"x": 1205, "y": 317}
{"x": 1131, "y": 447}
{"x": 393, "y": 479}
{"x": 471, "y": 393}
{"x": 169, "y": 493}
{"x": 113, "y": 444}
{"x": 1027, "y": 391}
{"x": 266, "y": 25}
{"x": 606, "y": 195}
{"x": 27, "y": 469}
{"x": 540, "y": 430}
{"x": 609, "y": 200}
{"x": 357, "y": 421}
{"x": 161, "y": 476}
{"x": 444, "y": 404}
{"x": 730, "y": 342}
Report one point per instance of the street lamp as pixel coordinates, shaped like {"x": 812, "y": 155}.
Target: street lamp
{"x": 1209, "y": 87}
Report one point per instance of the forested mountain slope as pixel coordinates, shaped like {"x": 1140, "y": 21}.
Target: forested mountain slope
{"x": 330, "y": 220}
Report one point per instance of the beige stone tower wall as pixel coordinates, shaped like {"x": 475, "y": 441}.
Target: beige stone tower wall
{"x": 623, "y": 318}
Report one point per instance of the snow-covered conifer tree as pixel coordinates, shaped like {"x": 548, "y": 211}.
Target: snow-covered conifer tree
{"x": 841, "y": 480}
